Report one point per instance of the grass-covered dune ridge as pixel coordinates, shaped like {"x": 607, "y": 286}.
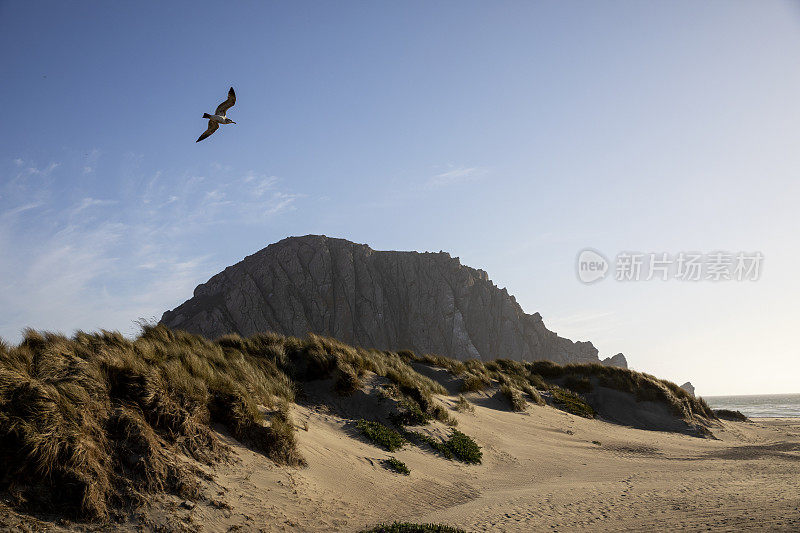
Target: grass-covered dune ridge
{"x": 93, "y": 423}
{"x": 90, "y": 422}
{"x": 577, "y": 378}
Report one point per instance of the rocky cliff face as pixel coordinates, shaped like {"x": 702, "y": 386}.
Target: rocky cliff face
{"x": 688, "y": 387}
{"x": 616, "y": 360}
{"x": 425, "y": 302}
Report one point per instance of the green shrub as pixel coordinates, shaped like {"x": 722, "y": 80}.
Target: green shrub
{"x": 410, "y": 415}
{"x": 405, "y": 527}
{"x": 458, "y": 445}
{"x": 381, "y": 435}
{"x": 397, "y": 465}
{"x": 514, "y": 398}
{"x": 572, "y": 403}
{"x": 419, "y": 439}
{"x": 464, "y": 448}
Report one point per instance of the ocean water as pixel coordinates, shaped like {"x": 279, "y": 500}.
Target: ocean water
{"x": 761, "y": 405}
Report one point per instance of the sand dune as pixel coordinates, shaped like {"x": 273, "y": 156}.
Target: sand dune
{"x": 543, "y": 470}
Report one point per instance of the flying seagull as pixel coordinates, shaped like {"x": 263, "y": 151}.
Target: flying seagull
{"x": 219, "y": 116}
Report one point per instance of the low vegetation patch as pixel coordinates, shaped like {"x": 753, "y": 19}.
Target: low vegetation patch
{"x": 406, "y": 527}
{"x": 571, "y": 403}
{"x": 381, "y": 435}
{"x": 410, "y": 415}
{"x": 392, "y": 463}
{"x": 457, "y": 446}
{"x": 464, "y": 448}
{"x": 727, "y": 414}
{"x": 418, "y": 438}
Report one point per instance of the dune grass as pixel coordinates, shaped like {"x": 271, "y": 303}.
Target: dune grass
{"x": 97, "y": 420}
{"x": 571, "y": 402}
{"x": 463, "y": 406}
{"x": 644, "y": 387}
{"x": 578, "y": 384}
{"x": 533, "y": 394}
{"x": 727, "y": 414}
{"x": 513, "y": 397}
{"x": 410, "y": 414}
{"x": 91, "y": 425}
{"x": 473, "y": 383}
{"x": 579, "y": 378}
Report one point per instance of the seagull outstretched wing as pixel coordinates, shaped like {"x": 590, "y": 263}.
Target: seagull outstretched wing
{"x": 227, "y": 104}
{"x": 212, "y": 127}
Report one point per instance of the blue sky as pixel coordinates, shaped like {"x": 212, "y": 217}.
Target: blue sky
{"x": 511, "y": 134}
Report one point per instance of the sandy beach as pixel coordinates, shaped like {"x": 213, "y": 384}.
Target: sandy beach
{"x": 312, "y": 464}
{"x": 543, "y": 470}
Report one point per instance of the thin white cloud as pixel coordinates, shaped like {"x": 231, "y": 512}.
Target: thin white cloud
{"x": 43, "y": 171}
{"x": 20, "y": 209}
{"x": 87, "y": 203}
{"x": 261, "y": 184}
{"x": 455, "y": 175}
{"x": 118, "y": 258}
{"x": 282, "y": 202}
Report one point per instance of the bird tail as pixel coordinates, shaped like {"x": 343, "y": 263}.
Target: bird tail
{"x": 206, "y": 115}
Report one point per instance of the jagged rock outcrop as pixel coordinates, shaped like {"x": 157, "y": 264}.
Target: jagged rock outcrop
{"x": 616, "y": 360}
{"x": 688, "y": 387}
{"x": 426, "y": 302}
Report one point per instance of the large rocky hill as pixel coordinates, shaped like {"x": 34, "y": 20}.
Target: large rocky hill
{"x": 425, "y": 302}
